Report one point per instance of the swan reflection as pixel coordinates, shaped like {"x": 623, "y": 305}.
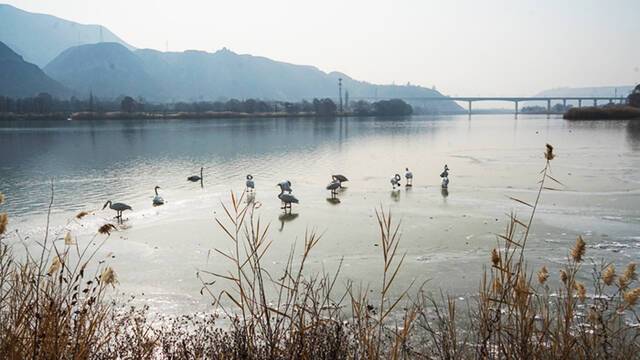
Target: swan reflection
{"x": 286, "y": 217}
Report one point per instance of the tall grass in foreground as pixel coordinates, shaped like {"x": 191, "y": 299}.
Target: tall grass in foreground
{"x": 50, "y": 305}
{"x": 51, "y": 308}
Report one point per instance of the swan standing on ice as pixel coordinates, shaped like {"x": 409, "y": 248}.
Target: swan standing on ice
{"x": 250, "y": 184}
{"x": 334, "y": 186}
{"x": 285, "y": 186}
{"x": 409, "y": 176}
{"x": 339, "y": 178}
{"x": 157, "y": 200}
{"x": 287, "y": 199}
{"x": 445, "y": 177}
{"x": 445, "y": 173}
{"x": 445, "y": 182}
{"x": 395, "y": 181}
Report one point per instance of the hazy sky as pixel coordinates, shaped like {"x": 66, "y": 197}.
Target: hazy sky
{"x": 465, "y": 47}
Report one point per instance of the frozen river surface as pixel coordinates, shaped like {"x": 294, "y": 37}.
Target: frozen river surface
{"x": 447, "y": 237}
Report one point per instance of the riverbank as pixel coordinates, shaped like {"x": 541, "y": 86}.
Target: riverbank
{"x": 120, "y": 115}
{"x": 603, "y": 113}
{"x": 33, "y": 116}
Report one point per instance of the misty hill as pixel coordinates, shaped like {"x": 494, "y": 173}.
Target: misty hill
{"x": 106, "y": 69}
{"x": 197, "y": 74}
{"x": 39, "y": 38}
{"x": 19, "y": 78}
{"x": 110, "y": 70}
{"x": 588, "y": 91}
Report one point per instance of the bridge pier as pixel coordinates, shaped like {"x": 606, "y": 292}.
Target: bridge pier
{"x": 548, "y": 107}
{"x": 516, "y": 108}
{"x": 595, "y": 102}
{"x": 564, "y": 104}
{"x": 579, "y": 103}
{"x": 470, "y": 107}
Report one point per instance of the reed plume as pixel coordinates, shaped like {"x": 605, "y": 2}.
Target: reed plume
{"x": 578, "y": 250}
{"x": 543, "y": 275}
{"x": 609, "y": 275}
{"x": 4, "y": 221}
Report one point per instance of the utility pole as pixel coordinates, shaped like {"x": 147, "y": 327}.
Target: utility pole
{"x": 340, "y": 92}
{"x": 346, "y": 99}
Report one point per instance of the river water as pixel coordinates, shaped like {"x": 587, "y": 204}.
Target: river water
{"x": 447, "y": 237}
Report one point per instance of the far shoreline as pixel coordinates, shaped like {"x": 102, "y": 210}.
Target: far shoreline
{"x": 573, "y": 114}
{"x": 623, "y": 112}
{"x": 118, "y": 115}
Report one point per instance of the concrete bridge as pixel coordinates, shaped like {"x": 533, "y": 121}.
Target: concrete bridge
{"x": 516, "y": 100}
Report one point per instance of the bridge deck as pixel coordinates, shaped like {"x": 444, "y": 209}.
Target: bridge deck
{"x": 515, "y": 99}
{"x": 501, "y": 98}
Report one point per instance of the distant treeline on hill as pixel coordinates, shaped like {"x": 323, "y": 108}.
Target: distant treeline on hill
{"x": 630, "y": 110}
{"x": 43, "y": 104}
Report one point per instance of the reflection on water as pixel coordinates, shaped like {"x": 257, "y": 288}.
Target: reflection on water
{"x": 494, "y": 157}
{"x": 333, "y": 200}
{"x": 250, "y": 197}
{"x": 286, "y": 217}
{"x": 633, "y": 134}
{"x": 395, "y": 195}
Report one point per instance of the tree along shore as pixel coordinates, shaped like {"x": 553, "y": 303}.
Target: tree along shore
{"x": 44, "y": 106}
{"x": 119, "y": 115}
{"x": 631, "y": 110}
{"x": 603, "y": 113}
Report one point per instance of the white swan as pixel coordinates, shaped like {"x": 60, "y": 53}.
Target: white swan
{"x": 287, "y": 199}
{"x": 445, "y": 182}
{"x": 334, "y": 186}
{"x": 339, "y": 178}
{"x": 250, "y": 184}
{"x": 409, "y": 176}
{"x": 157, "y": 200}
{"x": 445, "y": 173}
{"x": 395, "y": 180}
{"x": 285, "y": 186}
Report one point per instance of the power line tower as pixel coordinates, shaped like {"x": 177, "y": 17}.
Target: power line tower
{"x": 340, "y": 92}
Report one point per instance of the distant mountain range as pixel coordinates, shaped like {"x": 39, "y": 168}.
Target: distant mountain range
{"x": 110, "y": 70}
{"x": 19, "y": 78}
{"x": 106, "y": 69}
{"x": 74, "y": 55}
{"x": 599, "y": 91}
{"x": 39, "y": 38}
